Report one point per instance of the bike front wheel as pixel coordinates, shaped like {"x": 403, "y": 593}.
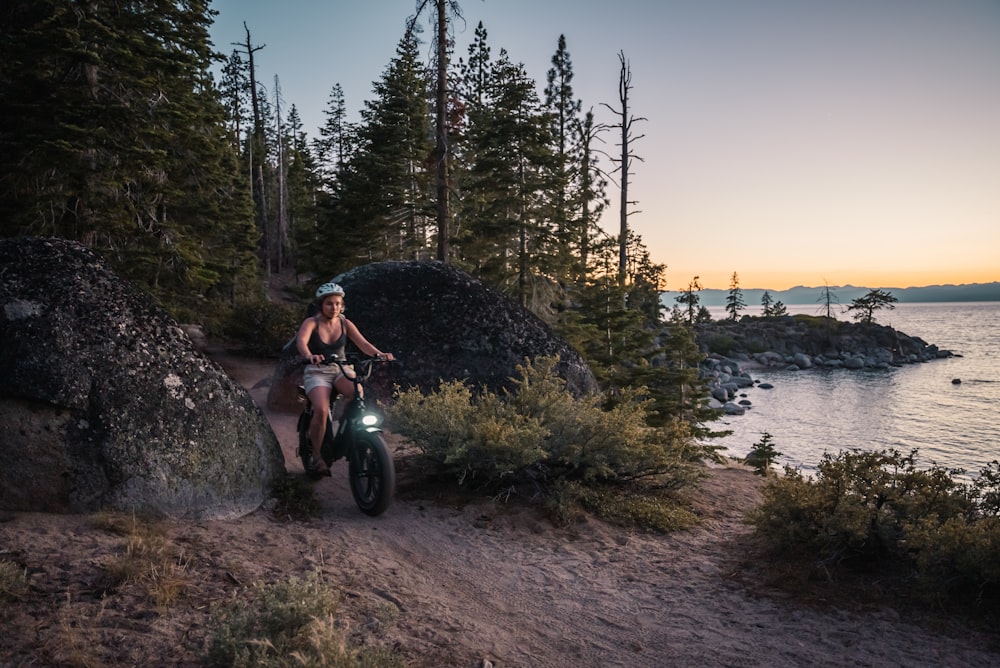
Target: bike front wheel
{"x": 372, "y": 474}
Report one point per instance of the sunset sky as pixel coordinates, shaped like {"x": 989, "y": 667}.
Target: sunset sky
{"x": 795, "y": 142}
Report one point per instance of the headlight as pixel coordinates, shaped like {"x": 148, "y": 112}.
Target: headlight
{"x": 369, "y": 420}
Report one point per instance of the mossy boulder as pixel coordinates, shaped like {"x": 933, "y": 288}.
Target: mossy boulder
{"x": 107, "y": 404}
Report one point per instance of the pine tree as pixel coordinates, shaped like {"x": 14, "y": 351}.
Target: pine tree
{"x": 591, "y": 196}
{"x": 509, "y": 239}
{"x": 334, "y": 146}
{"x": 679, "y": 393}
{"x": 303, "y": 177}
{"x": 772, "y": 308}
{"x": 563, "y": 110}
{"x": 688, "y": 301}
{"x": 734, "y": 300}
{"x": 766, "y": 300}
{"x": 384, "y": 208}
{"x": 864, "y": 307}
{"x": 233, "y": 89}
{"x": 441, "y": 155}
{"x": 113, "y": 134}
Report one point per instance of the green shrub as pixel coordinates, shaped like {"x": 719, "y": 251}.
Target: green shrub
{"x": 537, "y": 433}
{"x": 287, "y": 623}
{"x": 958, "y": 557}
{"x": 986, "y": 489}
{"x": 819, "y": 322}
{"x": 262, "y": 327}
{"x": 859, "y": 504}
{"x": 720, "y": 344}
{"x": 638, "y": 507}
{"x": 878, "y": 511}
{"x": 13, "y": 582}
{"x": 295, "y": 497}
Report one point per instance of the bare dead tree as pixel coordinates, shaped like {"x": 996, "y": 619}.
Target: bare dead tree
{"x": 257, "y": 155}
{"x": 624, "y": 161}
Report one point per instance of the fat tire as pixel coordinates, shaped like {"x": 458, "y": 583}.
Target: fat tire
{"x": 372, "y": 474}
{"x": 305, "y": 445}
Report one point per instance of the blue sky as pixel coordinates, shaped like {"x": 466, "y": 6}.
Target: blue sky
{"x": 795, "y": 142}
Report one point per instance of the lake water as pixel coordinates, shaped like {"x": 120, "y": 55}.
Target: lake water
{"x": 814, "y": 411}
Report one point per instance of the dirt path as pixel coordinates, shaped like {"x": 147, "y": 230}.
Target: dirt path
{"x": 466, "y": 587}
{"x": 485, "y": 584}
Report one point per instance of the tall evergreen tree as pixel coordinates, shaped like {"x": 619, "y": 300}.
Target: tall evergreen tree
{"x": 734, "y": 300}
{"x": 591, "y": 196}
{"x": 508, "y": 238}
{"x": 304, "y": 183}
{"x": 688, "y": 301}
{"x": 112, "y": 134}
{"x": 333, "y": 147}
{"x": 678, "y": 391}
{"x": 234, "y": 88}
{"x": 384, "y": 208}
{"x": 563, "y": 110}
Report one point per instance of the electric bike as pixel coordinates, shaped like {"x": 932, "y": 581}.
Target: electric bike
{"x": 357, "y": 437}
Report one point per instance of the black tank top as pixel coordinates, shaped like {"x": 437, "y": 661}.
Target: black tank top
{"x": 318, "y": 347}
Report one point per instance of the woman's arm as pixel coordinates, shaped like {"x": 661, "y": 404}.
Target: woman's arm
{"x": 354, "y": 334}
{"x": 302, "y": 338}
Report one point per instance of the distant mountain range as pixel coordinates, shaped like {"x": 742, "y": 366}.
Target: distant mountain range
{"x": 845, "y": 294}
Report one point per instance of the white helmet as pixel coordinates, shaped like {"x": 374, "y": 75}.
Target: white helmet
{"x": 329, "y": 289}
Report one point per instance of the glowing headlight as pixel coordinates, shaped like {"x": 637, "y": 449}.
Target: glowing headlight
{"x": 369, "y": 420}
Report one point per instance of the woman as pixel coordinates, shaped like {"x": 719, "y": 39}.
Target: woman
{"x": 327, "y": 333}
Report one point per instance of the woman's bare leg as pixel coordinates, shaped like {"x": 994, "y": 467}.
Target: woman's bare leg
{"x": 345, "y": 386}
{"x": 320, "y": 398}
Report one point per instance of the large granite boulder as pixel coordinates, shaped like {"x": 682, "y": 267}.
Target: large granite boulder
{"x": 444, "y": 324}
{"x": 105, "y": 403}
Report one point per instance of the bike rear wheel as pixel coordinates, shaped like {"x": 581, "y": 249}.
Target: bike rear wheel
{"x": 305, "y": 445}
{"x": 372, "y": 474}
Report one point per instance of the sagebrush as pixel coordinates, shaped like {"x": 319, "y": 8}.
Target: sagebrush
{"x": 878, "y": 512}
{"x": 287, "y": 623}
{"x": 538, "y": 434}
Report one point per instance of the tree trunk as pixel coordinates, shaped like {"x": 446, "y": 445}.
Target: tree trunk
{"x": 257, "y": 159}
{"x": 441, "y": 99}
{"x": 623, "y": 86}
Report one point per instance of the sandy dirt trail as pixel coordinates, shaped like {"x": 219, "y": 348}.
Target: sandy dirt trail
{"x": 487, "y": 583}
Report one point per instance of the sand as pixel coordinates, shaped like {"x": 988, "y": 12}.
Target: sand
{"x": 486, "y": 584}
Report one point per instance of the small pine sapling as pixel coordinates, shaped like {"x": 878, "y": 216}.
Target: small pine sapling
{"x": 762, "y": 455}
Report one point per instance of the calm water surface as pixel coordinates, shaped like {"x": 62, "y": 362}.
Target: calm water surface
{"x": 916, "y": 406}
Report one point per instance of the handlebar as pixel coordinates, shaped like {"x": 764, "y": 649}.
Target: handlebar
{"x": 357, "y": 360}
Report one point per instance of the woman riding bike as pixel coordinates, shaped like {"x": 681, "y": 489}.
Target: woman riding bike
{"x": 327, "y": 333}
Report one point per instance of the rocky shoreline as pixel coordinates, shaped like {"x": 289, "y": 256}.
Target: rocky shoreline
{"x": 794, "y": 343}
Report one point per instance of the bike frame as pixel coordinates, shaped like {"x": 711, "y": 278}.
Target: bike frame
{"x": 339, "y": 442}
{"x": 370, "y": 471}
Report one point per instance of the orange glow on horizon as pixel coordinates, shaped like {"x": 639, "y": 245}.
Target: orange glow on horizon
{"x": 783, "y": 280}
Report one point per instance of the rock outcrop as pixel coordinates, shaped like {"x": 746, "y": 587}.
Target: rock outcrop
{"x": 107, "y": 405}
{"x": 444, "y": 324}
{"x": 796, "y": 343}
{"x": 807, "y": 341}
